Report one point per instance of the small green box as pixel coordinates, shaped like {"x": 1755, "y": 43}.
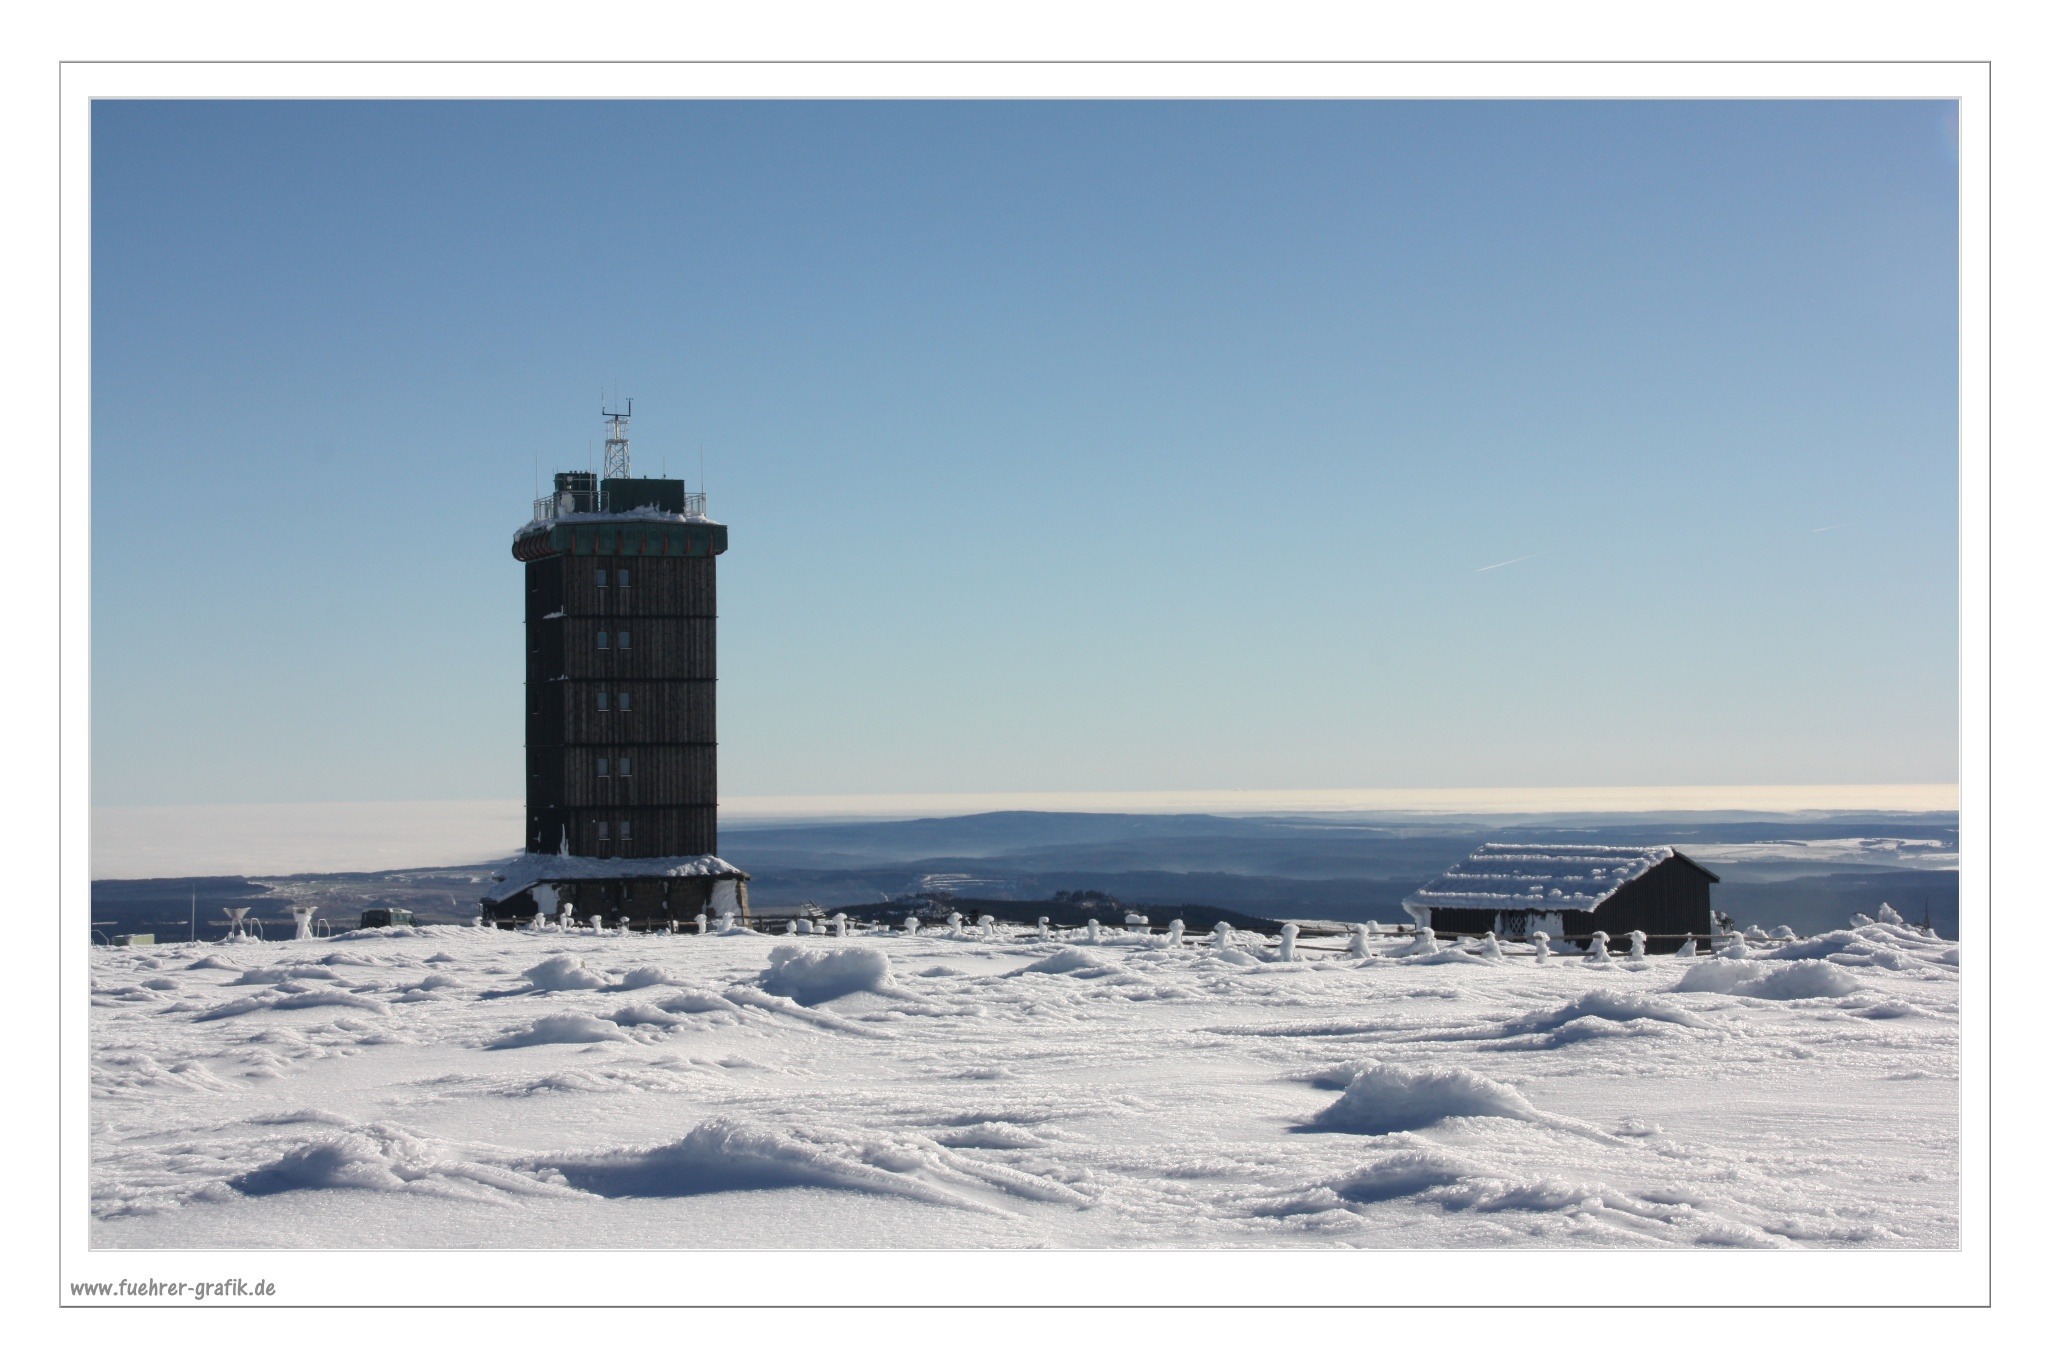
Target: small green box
{"x": 135, "y": 940}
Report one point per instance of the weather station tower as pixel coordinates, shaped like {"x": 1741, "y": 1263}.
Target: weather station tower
{"x": 621, "y": 664}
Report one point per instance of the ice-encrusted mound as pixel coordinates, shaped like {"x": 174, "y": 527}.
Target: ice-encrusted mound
{"x": 564, "y": 973}
{"x": 562, "y": 1028}
{"x": 1383, "y": 1098}
{"x": 1807, "y": 980}
{"x": 639, "y": 978}
{"x": 1609, "y": 1004}
{"x": 286, "y": 998}
{"x": 346, "y": 1161}
{"x": 730, "y": 1154}
{"x": 1400, "y": 1176}
{"x": 813, "y": 977}
{"x": 1068, "y": 962}
{"x": 1883, "y": 944}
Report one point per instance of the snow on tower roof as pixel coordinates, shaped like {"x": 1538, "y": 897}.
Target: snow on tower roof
{"x": 1531, "y": 876}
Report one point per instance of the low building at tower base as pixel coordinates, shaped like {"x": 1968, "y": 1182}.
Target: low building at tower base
{"x": 649, "y": 893}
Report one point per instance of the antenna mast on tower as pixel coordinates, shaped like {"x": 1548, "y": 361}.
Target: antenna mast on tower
{"x": 618, "y": 450}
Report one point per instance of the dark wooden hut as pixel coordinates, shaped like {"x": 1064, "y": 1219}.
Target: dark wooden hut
{"x": 1570, "y": 891}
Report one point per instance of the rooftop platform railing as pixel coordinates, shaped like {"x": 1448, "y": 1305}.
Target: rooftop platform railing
{"x": 600, "y": 500}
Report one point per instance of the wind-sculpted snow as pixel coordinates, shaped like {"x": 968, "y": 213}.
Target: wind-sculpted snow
{"x": 1769, "y": 981}
{"x": 812, "y": 978}
{"x": 1391, "y": 1099}
{"x": 459, "y": 1087}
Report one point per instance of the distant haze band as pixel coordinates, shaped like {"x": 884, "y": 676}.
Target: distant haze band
{"x": 258, "y": 840}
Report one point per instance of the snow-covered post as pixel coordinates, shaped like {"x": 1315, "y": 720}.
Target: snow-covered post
{"x": 1686, "y": 949}
{"x": 1287, "y": 933}
{"x": 987, "y": 925}
{"x": 1598, "y": 952}
{"x": 1489, "y": 947}
{"x": 910, "y": 924}
{"x": 839, "y": 925}
{"x": 1636, "y": 939}
{"x": 302, "y": 921}
{"x": 565, "y": 917}
{"x": 725, "y": 921}
{"x": 597, "y": 924}
{"x": 1173, "y": 932}
{"x": 1357, "y": 947}
{"x": 703, "y": 922}
{"x": 475, "y": 922}
{"x": 1219, "y": 937}
{"x": 1423, "y": 942}
{"x": 1094, "y": 932}
{"x": 953, "y": 923}
{"x": 1044, "y": 928}
{"x": 1542, "y": 942}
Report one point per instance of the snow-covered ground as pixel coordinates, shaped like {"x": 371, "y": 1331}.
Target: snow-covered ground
{"x": 464, "y": 1087}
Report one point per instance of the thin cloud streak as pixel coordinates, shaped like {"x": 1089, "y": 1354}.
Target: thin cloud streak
{"x": 1504, "y": 563}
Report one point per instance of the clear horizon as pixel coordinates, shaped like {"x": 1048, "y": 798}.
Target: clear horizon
{"x": 1135, "y": 446}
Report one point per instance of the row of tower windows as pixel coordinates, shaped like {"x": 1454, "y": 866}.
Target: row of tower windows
{"x": 625, "y": 578}
{"x": 604, "y": 638}
{"x": 625, "y": 700}
{"x": 604, "y": 833}
{"x": 622, "y": 766}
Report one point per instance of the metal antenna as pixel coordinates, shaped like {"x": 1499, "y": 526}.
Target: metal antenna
{"x": 618, "y": 449}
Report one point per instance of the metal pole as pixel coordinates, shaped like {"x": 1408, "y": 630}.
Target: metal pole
{"x": 195, "y": 912}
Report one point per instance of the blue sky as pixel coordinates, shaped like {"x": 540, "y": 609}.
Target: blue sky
{"x": 1065, "y": 446}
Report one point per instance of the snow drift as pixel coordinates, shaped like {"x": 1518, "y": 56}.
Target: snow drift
{"x": 813, "y": 977}
{"x": 1768, "y": 980}
{"x": 1395, "y": 1099}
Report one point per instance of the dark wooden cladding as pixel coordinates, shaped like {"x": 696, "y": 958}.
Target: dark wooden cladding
{"x": 668, "y": 607}
{"x": 655, "y": 587}
{"x": 655, "y": 648}
{"x": 654, "y": 773}
{"x": 1671, "y": 898}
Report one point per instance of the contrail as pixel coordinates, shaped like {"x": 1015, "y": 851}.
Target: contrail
{"x": 1818, "y": 529}
{"x": 1504, "y": 563}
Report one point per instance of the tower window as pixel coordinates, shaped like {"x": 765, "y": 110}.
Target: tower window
{"x": 625, "y": 831}
{"x": 625, "y": 700}
{"x": 604, "y": 640}
{"x": 601, "y": 577}
{"x": 625, "y": 578}
{"x": 604, "y": 701}
{"x": 604, "y": 767}
{"x": 625, "y": 765}
{"x": 625, "y": 640}
{"x": 604, "y": 831}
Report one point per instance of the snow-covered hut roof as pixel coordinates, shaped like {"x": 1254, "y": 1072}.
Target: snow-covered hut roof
{"x": 1545, "y": 876}
{"x": 532, "y": 869}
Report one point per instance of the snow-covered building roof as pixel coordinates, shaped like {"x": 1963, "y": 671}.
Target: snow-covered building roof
{"x": 1540, "y": 876}
{"x": 533, "y": 869}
